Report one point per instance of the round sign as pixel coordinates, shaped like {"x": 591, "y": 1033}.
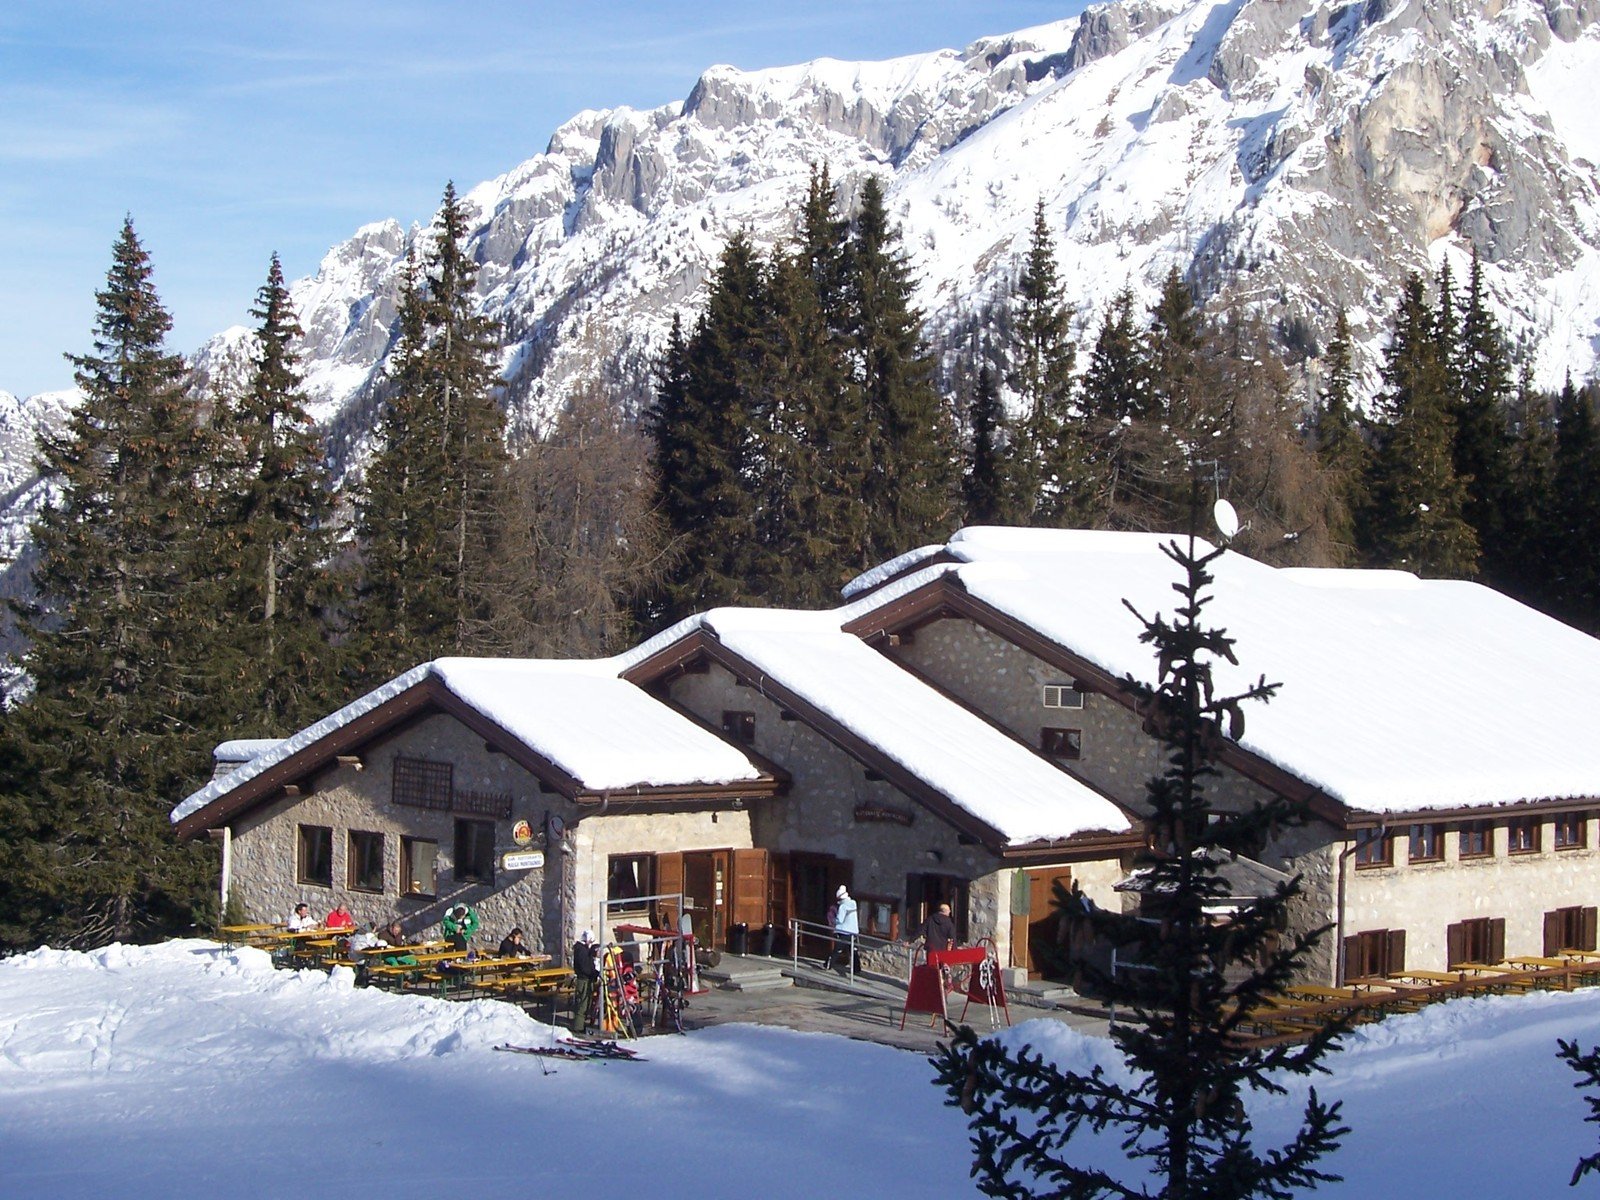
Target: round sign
{"x": 522, "y": 833}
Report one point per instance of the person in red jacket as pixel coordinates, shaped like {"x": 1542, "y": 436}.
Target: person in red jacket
{"x": 339, "y": 918}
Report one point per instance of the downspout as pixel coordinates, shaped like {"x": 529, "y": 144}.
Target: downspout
{"x": 227, "y": 871}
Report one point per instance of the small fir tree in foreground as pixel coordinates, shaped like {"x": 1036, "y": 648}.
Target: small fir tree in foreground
{"x": 1181, "y": 1121}
{"x": 1587, "y": 1065}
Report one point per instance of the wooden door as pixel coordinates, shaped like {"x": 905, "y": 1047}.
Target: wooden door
{"x": 750, "y": 902}
{"x": 669, "y": 880}
{"x": 1038, "y": 932}
{"x": 780, "y": 904}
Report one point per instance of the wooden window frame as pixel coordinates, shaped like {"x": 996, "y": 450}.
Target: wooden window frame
{"x": 1420, "y": 833}
{"x": 1374, "y": 848}
{"x": 1578, "y": 823}
{"x": 354, "y": 858}
{"x": 879, "y": 915}
{"x": 1062, "y": 697}
{"x": 1570, "y": 928}
{"x": 1524, "y": 835}
{"x": 422, "y": 783}
{"x": 740, "y": 725}
{"x": 469, "y": 846}
{"x": 408, "y": 867}
{"x": 1056, "y": 741}
{"x": 1483, "y": 829}
{"x": 1374, "y": 954}
{"x": 1475, "y": 940}
{"x": 302, "y": 859}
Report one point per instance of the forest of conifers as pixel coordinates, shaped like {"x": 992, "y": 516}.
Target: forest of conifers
{"x": 199, "y": 573}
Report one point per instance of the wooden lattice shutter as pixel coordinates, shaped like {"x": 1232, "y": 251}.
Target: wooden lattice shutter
{"x": 1394, "y": 959}
{"x": 1497, "y": 940}
{"x": 1552, "y": 932}
{"x": 1455, "y": 943}
{"x": 1587, "y": 940}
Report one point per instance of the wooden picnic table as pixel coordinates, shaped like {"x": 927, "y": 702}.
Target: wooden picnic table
{"x": 249, "y": 934}
{"x": 1316, "y": 991}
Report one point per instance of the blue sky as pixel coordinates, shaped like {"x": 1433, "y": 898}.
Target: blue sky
{"x": 232, "y": 130}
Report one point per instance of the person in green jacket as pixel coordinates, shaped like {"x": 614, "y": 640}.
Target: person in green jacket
{"x": 459, "y": 924}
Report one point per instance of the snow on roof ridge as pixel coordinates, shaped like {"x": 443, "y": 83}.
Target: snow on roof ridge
{"x": 876, "y": 575}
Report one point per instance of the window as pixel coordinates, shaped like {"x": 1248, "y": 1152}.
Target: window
{"x": 1061, "y": 743}
{"x": 365, "y": 859}
{"x": 740, "y": 726}
{"x": 1062, "y": 695}
{"x": 419, "y": 868}
{"x": 1481, "y": 940}
{"x": 1427, "y": 843}
{"x": 1522, "y": 836}
{"x": 1374, "y": 954}
{"x": 1477, "y": 840}
{"x": 1571, "y": 831}
{"x": 879, "y": 916}
{"x": 315, "y": 857}
{"x": 474, "y": 851}
{"x": 1569, "y": 929}
{"x": 924, "y": 894}
{"x": 631, "y": 876}
{"x": 419, "y": 783}
{"x": 1374, "y": 848}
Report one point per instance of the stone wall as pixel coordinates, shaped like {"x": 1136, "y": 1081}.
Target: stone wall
{"x": 1425, "y": 898}
{"x": 265, "y": 847}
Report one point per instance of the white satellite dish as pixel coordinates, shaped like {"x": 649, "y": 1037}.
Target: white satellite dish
{"x": 1227, "y": 520}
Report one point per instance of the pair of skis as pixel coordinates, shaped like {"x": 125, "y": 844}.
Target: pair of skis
{"x": 578, "y": 1050}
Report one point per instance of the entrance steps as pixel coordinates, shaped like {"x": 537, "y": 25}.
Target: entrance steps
{"x": 737, "y": 974}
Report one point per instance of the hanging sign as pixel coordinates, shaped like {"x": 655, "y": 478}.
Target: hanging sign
{"x": 522, "y": 833}
{"x": 522, "y": 860}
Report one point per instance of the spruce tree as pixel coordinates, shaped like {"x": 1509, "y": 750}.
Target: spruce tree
{"x": 1336, "y": 434}
{"x": 1115, "y": 394}
{"x": 911, "y": 490}
{"x": 1181, "y": 1120}
{"x": 1530, "y": 552}
{"x": 1050, "y": 459}
{"x": 985, "y": 484}
{"x": 272, "y": 529}
{"x": 1483, "y": 383}
{"x": 118, "y": 721}
{"x": 435, "y": 492}
{"x": 1575, "y": 509}
{"x": 1414, "y": 517}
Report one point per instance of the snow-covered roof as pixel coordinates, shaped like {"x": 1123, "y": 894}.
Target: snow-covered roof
{"x": 603, "y": 731}
{"x": 981, "y": 770}
{"x": 1398, "y": 693}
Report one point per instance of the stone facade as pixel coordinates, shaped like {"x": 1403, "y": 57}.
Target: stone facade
{"x": 266, "y": 867}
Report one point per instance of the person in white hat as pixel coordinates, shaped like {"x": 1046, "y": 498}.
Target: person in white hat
{"x": 845, "y": 924}
{"x": 585, "y": 978}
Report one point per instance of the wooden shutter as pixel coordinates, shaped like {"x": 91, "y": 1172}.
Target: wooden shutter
{"x": 1352, "y": 958}
{"x": 1394, "y": 960}
{"x": 669, "y": 879}
{"x": 1587, "y": 929}
{"x": 1455, "y": 943}
{"x": 1552, "y": 932}
{"x": 749, "y": 905}
{"x": 1497, "y": 940}
{"x": 780, "y": 900}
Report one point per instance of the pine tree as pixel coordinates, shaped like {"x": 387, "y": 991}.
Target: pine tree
{"x": 117, "y": 723}
{"x": 985, "y": 484}
{"x": 1587, "y": 1065}
{"x": 1483, "y": 379}
{"x": 272, "y": 529}
{"x": 1575, "y": 508}
{"x": 1050, "y": 459}
{"x": 1336, "y": 433}
{"x": 1181, "y": 1121}
{"x": 1530, "y": 552}
{"x": 435, "y": 494}
{"x": 911, "y": 490}
{"x": 1414, "y": 515}
{"x": 1115, "y": 390}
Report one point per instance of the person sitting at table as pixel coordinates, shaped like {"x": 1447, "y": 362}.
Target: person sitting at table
{"x": 365, "y": 939}
{"x": 459, "y": 924}
{"x": 301, "y": 918}
{"x": 339, "y": 918}
{"x": 394, "y": 934}
{"x": 514, "y": 945}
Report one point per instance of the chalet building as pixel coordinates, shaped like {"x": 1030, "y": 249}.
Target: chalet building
{"x": 960, "y": 730}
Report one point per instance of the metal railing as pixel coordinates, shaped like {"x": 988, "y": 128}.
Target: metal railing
{"x": 854, "y": 943}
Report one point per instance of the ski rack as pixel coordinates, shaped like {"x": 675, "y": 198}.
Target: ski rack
{"x": 645, "y": 935}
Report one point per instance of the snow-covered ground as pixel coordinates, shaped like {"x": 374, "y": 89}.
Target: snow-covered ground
{"x": 185, "y": 1069}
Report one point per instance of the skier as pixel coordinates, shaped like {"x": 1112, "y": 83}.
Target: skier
{"x": 585, "y": 975}
{"x": 459, "y": 924}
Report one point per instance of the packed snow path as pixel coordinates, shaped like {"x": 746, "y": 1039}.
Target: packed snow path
{"x": 185, "y": 1069}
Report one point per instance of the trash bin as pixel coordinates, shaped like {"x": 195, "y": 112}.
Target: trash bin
{"x": 738, "y": 938}
{"x": 763, "y": 943}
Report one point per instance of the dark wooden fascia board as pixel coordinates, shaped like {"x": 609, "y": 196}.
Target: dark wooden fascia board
{"x": 946, "y": 596}
{"x": 1358, "y": 819}
{"x": 305, "y": 762}
{"x": 1077, "y": 849}
{"x": 669, "y": 660}
{"x": 713, "y": 793}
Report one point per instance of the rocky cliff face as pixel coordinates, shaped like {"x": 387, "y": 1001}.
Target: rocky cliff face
{"x": 1296, "y": 156}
